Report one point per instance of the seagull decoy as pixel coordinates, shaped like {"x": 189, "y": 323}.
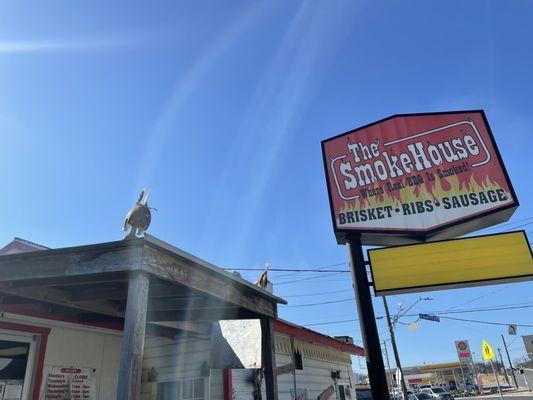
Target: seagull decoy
{"x": 139, "y": 217}
{"x": 262, "y": 282}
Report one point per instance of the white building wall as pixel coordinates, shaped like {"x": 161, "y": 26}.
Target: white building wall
{"x": 176, "y": 360}
{"x": 83, "y": 347}
{"x": 318, "y": 363}
{"x": 80, "y": 346}
{"x": 216, "y": 384}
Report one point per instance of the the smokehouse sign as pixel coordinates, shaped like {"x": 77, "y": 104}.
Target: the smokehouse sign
{"x": 417, "y": 177}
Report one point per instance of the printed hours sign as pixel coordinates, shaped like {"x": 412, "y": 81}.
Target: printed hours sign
{"x": 70, "y": 383}
{"x": 417, "y": 177}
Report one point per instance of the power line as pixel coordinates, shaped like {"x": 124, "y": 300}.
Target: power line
{"x": 315, "y": 294}
{"x": 285, "y": 267}
{"x": 499, "y": 226}
{"x": 332, "y": 322}
{"x": 510, "y": 306}
{"x": 494, "y": 308}
{"x": 290, "y": 270}
{"x": 318, "y": 304}
{"x": 325, "y": 269}
{"x": 479, "y": 297}
{"x": 516, "y": 227}
{"x": 487, "y": 322}
{"x": 303, "y": 279}
{"x": 486, "y": 309}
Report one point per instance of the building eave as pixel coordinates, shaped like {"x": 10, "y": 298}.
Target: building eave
{"x": 308, "y": 335}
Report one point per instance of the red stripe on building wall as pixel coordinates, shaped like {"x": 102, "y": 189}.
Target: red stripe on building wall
{"x": 227, "y": 378}
{"x": 41, "y": 351}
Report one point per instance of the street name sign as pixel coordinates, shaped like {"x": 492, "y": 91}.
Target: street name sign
{"x": 449, "y": 264}
{"x": 429, "y": 317}
{"x": 416, "y": 178}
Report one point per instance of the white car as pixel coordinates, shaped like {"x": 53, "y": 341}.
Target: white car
{"x": 437, "y": 392}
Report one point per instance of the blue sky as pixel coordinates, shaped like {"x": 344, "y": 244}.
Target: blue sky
{"x": 220, "y": 107}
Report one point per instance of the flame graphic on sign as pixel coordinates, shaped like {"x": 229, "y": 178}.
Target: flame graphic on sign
{"x": 429, "y": 190}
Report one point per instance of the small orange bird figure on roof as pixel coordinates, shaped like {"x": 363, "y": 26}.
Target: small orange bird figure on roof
{"x": 262, "y": 282}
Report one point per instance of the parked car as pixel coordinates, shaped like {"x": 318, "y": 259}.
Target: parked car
{"x": 436, "y": 392}
{"x": 419, "y": 396}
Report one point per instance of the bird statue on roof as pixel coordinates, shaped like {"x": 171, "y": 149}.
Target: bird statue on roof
{"x": 139, "y": 217}
{"x": 263, "y": 281}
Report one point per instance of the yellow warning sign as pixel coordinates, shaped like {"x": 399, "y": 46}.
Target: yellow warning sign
{"x": 488, "y": 353}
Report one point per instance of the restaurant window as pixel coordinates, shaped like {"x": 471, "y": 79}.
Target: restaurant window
{"x": 17, "y": 357}
{"x": 297, "y": 358}
{"x": 187, "y": 389}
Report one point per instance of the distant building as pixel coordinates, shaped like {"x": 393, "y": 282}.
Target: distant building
{"x": 451, "y": 375}
{"x": 528, "y": 344}
{"x": 19, "y": 245}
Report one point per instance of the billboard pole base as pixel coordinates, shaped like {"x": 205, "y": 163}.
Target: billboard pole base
{"x": 367, "y": 320}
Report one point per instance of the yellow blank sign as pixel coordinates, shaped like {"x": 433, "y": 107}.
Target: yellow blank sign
{"x": 482, "y": 260}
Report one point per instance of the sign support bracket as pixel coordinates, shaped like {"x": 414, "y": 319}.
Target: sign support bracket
{"x": 367, "y": 320}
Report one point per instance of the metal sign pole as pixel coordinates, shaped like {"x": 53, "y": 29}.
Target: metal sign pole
{"x": 510, "y": 363}
{"x": 367, "y": 320}
{"x": 497, "y": 380}
{"x": 463, "y": 375}
{"x": 455, "y": 379}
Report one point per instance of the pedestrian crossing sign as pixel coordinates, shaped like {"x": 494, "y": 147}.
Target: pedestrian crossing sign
{"x": 488, "y": 353}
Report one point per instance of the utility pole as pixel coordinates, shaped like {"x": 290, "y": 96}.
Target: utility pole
{"x": 395, "y": 349}
{"x": 504, "y": 369}
{"x": 388, "y": 364}
{"x": 510, "y": 363}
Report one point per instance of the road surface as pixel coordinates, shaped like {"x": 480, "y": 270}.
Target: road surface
{"x": 510, "y": 396}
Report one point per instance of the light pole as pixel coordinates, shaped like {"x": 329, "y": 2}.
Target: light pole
{"x": 388, "y": 363}
{"x": 503, "y": 366}
{"x": 510, "y": 363}
{"x": 395, "y": 349}
{"x": 392, "y": 325}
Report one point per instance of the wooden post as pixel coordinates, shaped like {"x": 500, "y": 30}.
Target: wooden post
{"x": 269, "y": 358}
{"x": 131, "y": 356}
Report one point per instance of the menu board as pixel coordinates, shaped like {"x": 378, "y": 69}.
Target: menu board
{"x": 70, "y": 383}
